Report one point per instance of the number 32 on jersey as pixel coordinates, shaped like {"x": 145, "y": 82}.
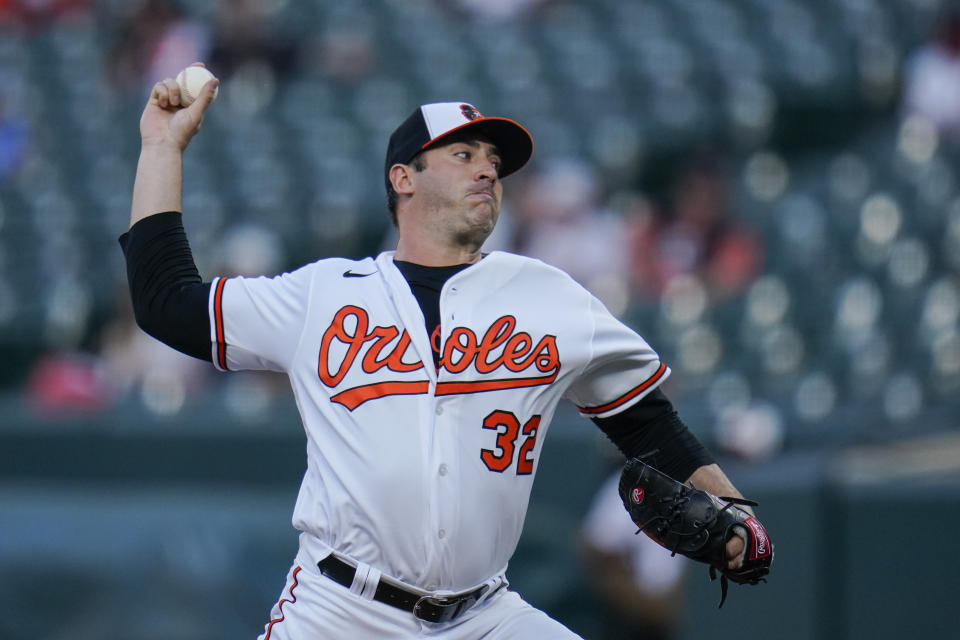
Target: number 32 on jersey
{"x": 509, "y": 434}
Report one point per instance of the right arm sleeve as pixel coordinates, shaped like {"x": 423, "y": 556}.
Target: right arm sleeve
{"x": 170, "y": 300}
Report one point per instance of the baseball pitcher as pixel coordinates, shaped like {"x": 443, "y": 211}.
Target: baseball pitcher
{"x": 426, "y": 379}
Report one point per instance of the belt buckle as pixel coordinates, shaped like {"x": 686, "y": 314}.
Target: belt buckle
{"x": 437, "y": 601}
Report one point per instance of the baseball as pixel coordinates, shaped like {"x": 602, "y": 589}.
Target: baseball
{"x": 191, "y": 81}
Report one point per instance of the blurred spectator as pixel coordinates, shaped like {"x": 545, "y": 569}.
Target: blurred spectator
{"x": 560, "y": 219}
{"x": 245, "y": 32}
{"x": 932, "y": 77}
{"x": 35, "y": 13}
{"x": 14, "y": 141}
{"x": 248, "y": 46}
{"x": 634, "y": 577}
{"x": 65, "y": 383}
{"x": 696, "y": 234}
{"x": 137, "y": 365}
{"x": 249, "y": 249}
{"x": 127, "y": 363}
{"x": 754, "y": 431}
{"x": 343, "y": 52}
{"x": 249, "y": 51}
{"x": 155, "y": 40}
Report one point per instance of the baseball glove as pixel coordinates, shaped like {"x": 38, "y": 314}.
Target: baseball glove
{"x": 695, "y": 523}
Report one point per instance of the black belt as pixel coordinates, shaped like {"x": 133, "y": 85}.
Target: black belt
{"x": 429, "y": 608}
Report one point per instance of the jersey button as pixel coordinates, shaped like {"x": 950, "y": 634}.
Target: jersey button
{"x": 439, "y": 411}
{"x": 442, "y": 533}
{"x": 443, "y": 470}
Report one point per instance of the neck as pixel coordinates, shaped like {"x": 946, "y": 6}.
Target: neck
{"x": 432, "y": 255}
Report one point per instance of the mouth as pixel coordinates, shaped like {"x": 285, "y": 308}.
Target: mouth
{"x": 484, "y": 195}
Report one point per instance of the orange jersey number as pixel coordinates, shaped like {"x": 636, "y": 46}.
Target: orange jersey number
{"x": 508, "y": 431}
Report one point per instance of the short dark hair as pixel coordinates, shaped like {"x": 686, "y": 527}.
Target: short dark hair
{"x": 419, "y": 163}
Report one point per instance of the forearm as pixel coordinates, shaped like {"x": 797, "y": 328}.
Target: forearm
{"x": 158, "y": 185}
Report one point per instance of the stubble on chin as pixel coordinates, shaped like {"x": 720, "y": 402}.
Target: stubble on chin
{"x": 479, "y": 224}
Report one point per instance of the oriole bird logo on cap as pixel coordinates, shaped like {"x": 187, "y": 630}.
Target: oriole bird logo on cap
{"x": 470, "y": 112}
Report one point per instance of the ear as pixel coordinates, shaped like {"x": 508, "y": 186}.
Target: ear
{"x": 402, "y": 179}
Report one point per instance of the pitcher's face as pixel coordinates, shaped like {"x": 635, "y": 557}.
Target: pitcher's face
{"x": 459, "y": 190}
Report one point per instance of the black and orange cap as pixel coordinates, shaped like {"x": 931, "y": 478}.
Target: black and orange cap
{"x": 429, "y": 124}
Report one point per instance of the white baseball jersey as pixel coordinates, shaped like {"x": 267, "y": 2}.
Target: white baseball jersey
{"x": 426, "y": 474}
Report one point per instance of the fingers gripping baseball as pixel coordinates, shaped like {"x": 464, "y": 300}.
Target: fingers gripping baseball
{"x": 167, "y": 120}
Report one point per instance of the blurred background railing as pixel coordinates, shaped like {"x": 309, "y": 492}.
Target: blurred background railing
{"x": 767, "y": 190}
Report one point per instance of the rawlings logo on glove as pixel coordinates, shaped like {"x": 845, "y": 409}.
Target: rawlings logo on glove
{"x": 695, "y": 523}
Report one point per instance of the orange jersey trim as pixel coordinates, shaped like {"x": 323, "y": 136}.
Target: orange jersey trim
{"x": 353, "y": 398}
{"x": 218, "y": 323}
{"x": 479, "y": 386}
{"x": 633, "y": 393}
{"x": 292, "y": 599}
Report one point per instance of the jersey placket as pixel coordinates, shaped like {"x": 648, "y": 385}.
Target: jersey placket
{"x": 445, "y": 459}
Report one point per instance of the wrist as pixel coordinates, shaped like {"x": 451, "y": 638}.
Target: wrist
{"x": 161, "y": 146}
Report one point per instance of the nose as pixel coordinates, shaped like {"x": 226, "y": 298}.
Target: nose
{"x": 486, "y": 170}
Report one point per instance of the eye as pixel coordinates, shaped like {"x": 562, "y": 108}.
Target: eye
{"x": 466, "y": 155}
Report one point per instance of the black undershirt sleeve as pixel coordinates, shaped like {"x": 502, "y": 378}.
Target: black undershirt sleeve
{"x": 652, "y": 425}
{"x": 170, "y": 300}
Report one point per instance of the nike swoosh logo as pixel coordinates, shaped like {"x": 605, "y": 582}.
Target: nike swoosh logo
{"x": 350, "y": 274}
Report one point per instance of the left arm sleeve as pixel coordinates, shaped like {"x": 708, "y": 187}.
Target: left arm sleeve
{"x": 652, "y": 428}
{"x": 622, "y": 368}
